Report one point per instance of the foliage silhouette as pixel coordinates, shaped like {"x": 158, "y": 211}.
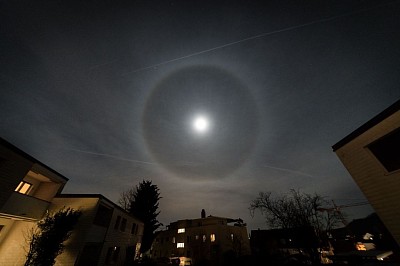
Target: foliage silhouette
{"x": 298, "y": 210}
{"x": 142, "y": 202}
{"x": 46, "y": 241}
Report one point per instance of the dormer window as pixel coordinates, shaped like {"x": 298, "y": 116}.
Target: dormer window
{"x": 24, "y": 187}
{"x": 181, "y": 230}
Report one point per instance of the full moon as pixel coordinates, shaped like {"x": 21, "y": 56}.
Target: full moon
{"x": 200, "y": 124}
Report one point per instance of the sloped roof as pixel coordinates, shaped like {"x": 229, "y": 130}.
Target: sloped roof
{"x": 10, "y": 146}
{"x": 371, "y": 123}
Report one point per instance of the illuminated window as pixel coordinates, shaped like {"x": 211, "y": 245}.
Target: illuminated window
{"x": 197, "y": 237}
{"x": 180, "y": 245}
{"x": 387, "y": 151}
{"x": 24, "y": 187}
{"x": 212, "y": 237}
{"x": 181, "y": 230}
{"x": 204, "y": 238}
{"x": 232, "y": 237}
{"x": 173, "y": 240}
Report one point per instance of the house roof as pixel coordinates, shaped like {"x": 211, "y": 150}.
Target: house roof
{"x": 10, "y": 146}
{"x": 371, "y": 123}
{"x": 97, "y": 196}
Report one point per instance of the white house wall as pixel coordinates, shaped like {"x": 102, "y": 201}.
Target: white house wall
{"x": 382, "y": 189}
{"x": 82, "y": 231}
{"x": 14, "y": 246}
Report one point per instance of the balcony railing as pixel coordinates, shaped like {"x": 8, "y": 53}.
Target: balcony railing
{"x": 25, "y": 206}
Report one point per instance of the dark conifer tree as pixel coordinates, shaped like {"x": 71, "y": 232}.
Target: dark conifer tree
{"x": 142, "y": 202}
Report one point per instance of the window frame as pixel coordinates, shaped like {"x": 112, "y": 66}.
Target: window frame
{"x": 21, "y": 185}
{"x": 123, "y": 224}
{"x": 373, "y": 153}
{"x": 117, "y": 222}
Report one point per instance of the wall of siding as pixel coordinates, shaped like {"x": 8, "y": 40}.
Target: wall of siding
{"x": 13, "y": 252}
{"x": 81, "y": 231}
{"x": 382, "y": 189}
{"x": 87, "y": 232}
{"x": 117, "y": 238}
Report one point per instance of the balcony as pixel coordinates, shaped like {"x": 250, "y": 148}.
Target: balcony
{"x": 25, "y": 206}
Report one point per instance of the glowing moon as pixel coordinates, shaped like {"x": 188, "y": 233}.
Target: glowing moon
{"x": 201, "y": 124}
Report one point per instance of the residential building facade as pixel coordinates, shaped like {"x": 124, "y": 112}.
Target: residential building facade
{"x": 105, "y": 233}
{"x": 207, "y": 238}
{"x": 371, "y": 154}
{"x": 27, "y": 188}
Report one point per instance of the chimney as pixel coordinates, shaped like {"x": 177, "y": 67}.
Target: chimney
{"x": 203, "y": 214}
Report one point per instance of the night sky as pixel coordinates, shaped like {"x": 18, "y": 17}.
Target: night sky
{"x": 106, "y": 93}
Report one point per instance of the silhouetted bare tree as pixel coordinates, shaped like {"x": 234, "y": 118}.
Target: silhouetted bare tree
{"x": 295, "y": 210}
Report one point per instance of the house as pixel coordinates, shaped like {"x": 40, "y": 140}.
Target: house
{"x": 204, "y": 239}
{"x": 27, "y": 188}
{"x": 371, "y": 154}
{"x": 283, "y": 245}
{"x": 105, "y": 234}
{"x": 288, "y": 241}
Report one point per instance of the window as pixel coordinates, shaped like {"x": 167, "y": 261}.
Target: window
{"x": 232, "y": 237}
{"x": 117, "y": 222}
{"x": 112, "y": 255}
{"x": 24, "y": 187}
{"x": 386, "y": 150}
{"x": 212, "y": 237}
{"x": 90, "y": 254}
{"x": 181, "y": 230}
{"x": 173, "y": 240}
{"x": 133, "y": 230}
{"x": 123, "y": 225}
{"x": 103, "y": 216}
{"x": 197, "y": 237}
{"x": 204, "y": 238}
{"x": 180, "y": 245}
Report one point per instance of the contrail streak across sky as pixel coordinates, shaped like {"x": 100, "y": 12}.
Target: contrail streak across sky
{"x": 186, "y": 163}
{"x": 250, "y": 38}
{"x": 113, "y": 157}
{"x": 287, "y": 170}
